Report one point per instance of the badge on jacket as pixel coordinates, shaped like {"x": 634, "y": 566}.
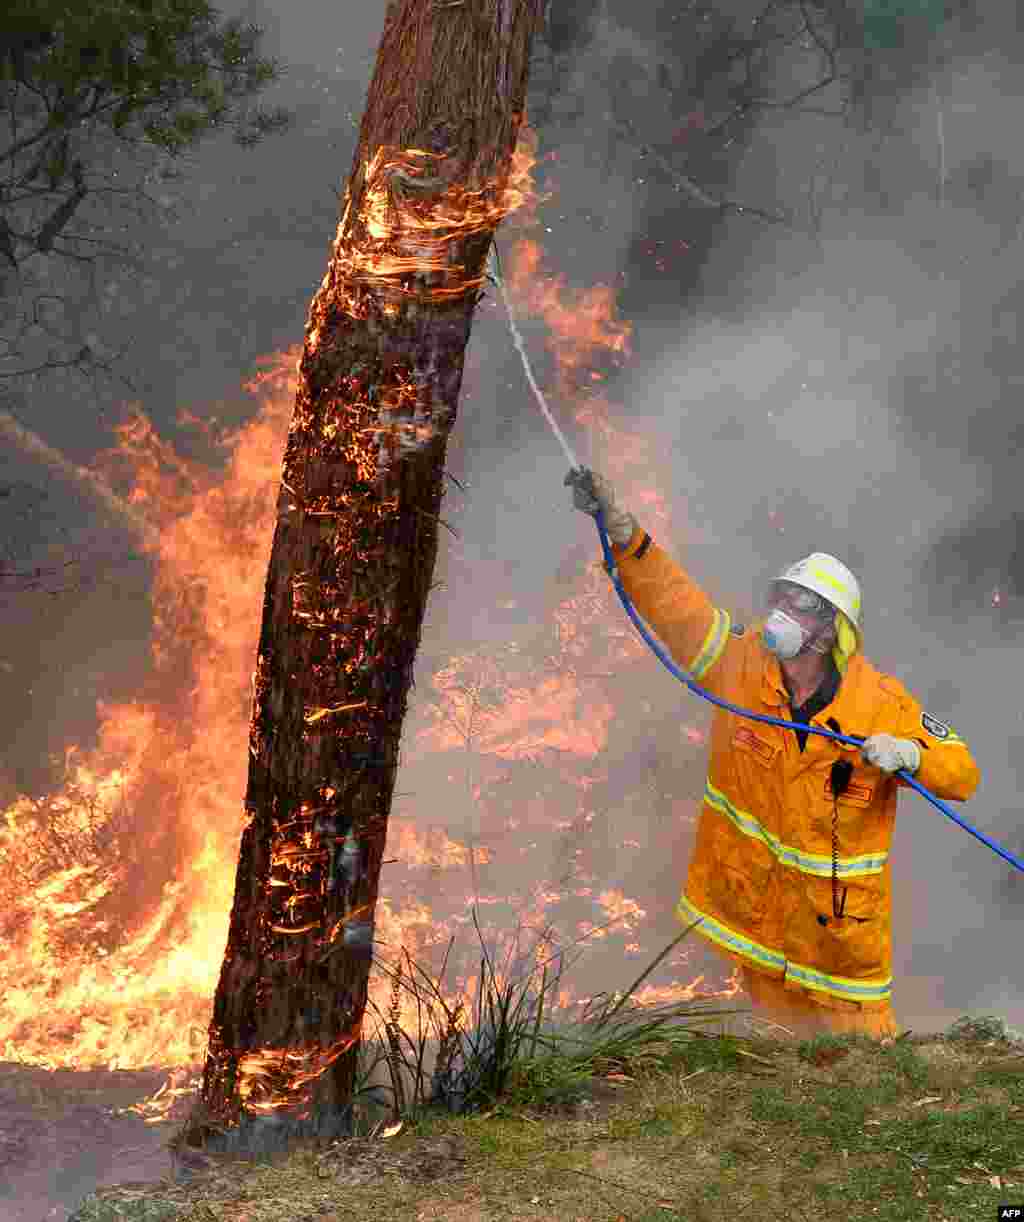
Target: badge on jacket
{"x": 737, "y": 630}
{"x": 936, "y": 728}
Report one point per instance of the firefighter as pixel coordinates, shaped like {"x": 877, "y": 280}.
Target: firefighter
{"x": 790, "y": 874}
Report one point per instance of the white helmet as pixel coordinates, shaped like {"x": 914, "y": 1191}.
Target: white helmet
{"x": 830, "y": 578}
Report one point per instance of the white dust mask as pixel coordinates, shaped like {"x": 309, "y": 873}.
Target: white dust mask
{"x": 782, "y": 635}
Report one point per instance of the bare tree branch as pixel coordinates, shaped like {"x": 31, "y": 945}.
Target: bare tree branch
{"x": 7, "y": 243}
{"x": 696, "y": 192}
{"x": 60, "y": 217}
{"x": 78, "y": 107}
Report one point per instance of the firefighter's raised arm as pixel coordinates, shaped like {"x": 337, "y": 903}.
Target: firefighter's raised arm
{"x": 694, "y": 631}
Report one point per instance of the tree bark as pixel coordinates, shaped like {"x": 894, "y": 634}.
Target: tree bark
{"x": 352, "y": 560}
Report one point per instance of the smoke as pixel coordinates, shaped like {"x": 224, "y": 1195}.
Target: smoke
{"x": 847, "y": 391}
{"x": 795, "y": 387}
{"x": 77, "y": 476}
{"x": 840, "y": 389}
{"x": 790, "y": 388}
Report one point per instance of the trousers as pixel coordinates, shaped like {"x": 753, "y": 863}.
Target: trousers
{"x": 806, "y": 1013}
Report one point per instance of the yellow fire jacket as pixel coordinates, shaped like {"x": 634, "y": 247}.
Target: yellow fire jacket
{"x": 760, "y": 878}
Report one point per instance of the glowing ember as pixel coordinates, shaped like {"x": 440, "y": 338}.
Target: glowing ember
{"x": 116, "y": 889}
{"x": 617, "y": 907}
{"x": 272, "y": 1079}
{"x": 411, "y": 215}
{"x": 527, "y": 722}
{"x": 111, "y": 956}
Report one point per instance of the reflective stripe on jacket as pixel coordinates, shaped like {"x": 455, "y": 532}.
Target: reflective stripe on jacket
{"x": 760, "y": 878}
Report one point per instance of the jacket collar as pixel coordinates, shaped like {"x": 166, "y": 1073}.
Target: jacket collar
{"x": 773, "y": 686}
{"x": 844, "y": 703}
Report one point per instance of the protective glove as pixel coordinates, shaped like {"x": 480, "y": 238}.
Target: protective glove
{"x": 891, "y": 754}
{"x": 591, "y": 493}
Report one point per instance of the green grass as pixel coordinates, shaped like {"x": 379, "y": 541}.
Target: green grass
{"x": 907, "y": 1062}
{"x": 651, "y": 1114}
{"x": 510, "y": 1057}
{"x": 880, "y": 1130}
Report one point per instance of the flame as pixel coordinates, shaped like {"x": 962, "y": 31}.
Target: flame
{"x": 273, "y": 1079}
{"x": 116, "y": 887}
{"x": 582, "y": 325}
{"x": 617, "y": 907}
{"x": 411, "y": 213}
{"x": 425, "y": 847}
{"x": 154, "y": 814}
{"x": 397, "y": 245}
{"x": 548, "y": 717}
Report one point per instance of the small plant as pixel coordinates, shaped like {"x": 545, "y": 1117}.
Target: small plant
{"x": 447, "y": 1049}
{"x": 977, "y": 1030}
{"x": 393, "y": 1028}
{"x": 511, "y": 1055}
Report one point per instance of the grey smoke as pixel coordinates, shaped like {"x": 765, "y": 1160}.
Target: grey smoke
{"x": 854, "y": 391}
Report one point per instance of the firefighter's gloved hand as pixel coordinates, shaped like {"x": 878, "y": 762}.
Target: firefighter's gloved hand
{"x": 592, "y": 493}
{"x": 891, "y": 754}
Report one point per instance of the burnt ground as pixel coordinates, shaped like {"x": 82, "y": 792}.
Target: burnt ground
{"x": 62, "y": 1134}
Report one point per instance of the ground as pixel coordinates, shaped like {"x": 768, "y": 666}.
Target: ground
{"x": 927, "y": 1126}
{"x": 64, "y": 1132}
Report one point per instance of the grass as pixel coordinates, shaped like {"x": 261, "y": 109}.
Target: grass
{"x": 636, "y": 1114}
{"x": 509, "y": 1057}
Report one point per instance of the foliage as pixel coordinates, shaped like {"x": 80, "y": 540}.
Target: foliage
{"x": 888, "y": 1131}
{"x": 664, "y": 1147}
{"x": 100, "y": 100}
{"x": 977, "y": 1029}
{"x": 886, "y": 20}
{"x": 602, "y": 1117}
{"x": 78, "y": 847}
{"x": 509, "y": 1056}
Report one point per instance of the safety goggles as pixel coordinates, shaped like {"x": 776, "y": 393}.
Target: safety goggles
{"x": 795, "y": 598}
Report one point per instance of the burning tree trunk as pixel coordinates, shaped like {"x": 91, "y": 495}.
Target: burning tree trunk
{"x": 353, "y": 555}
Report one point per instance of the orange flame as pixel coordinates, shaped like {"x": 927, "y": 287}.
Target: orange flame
{"x": 582, "y": 325}
{"x": 116, "y": 889}
{"x": 548, "y": 717}
{"x": 273, "y": 1079}
{"x": 410, "y": 216}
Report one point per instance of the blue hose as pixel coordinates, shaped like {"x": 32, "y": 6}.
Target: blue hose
{"x": 775, "y": 721}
